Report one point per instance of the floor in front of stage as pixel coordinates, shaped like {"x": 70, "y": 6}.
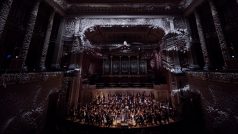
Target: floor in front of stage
{"x": 182, "y": 127}
{"x": 125, "y": 89}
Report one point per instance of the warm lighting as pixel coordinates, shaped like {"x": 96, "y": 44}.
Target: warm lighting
{"x": 125, "y": 43}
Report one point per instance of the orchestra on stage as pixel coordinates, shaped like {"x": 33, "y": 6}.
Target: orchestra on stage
{"x": 124, "y": 109}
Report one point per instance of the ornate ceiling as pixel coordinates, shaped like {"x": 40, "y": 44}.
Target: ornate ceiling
{"x": 122, "y": 7}
{"x": 125, "y": 39}
{"x": 125, "y": 1}
{"x": 118, "y": 34}
{"x": 126, "y": 7}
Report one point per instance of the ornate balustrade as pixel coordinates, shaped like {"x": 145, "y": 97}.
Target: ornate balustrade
{"x": 215, "y": 76}
{"x": 6, "y": 79}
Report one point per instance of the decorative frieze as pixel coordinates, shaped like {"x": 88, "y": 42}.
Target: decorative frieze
{"x": 78, "y": 26}
{"x": 69, "y": 27}
{"x": 215, "y": 76}
{"x": 175, "y": 43}
{"x": 135, "y": 8}
{"x": 20, "y": 78}
{"x": 172, "y": 46}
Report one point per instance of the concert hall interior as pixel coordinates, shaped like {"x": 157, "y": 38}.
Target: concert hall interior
{"x": 118, "y": 66}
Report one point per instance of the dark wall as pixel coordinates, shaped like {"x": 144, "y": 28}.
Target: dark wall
{"x": 219, "y": 100}
{"x": 23, "y": 107}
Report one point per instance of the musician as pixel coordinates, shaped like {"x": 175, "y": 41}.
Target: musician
{"x": 140, "y": 110}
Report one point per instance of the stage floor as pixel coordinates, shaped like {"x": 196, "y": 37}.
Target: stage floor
{"x": 119, "y": 124}
{"x": 127, "y": 89}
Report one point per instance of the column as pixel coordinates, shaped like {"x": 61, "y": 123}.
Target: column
{"x": 103, "y": 65}
{"x": 192, "y": 59}
{"x": 74, "y": 54}
{"x": 58, "y": 46}
{"x": 176, "y": 60}
{"x": 74, "y": 90}
{"x": 120, "y": 64}
{"x": 129, "y": 58}
{"x": 220, "y": 34}
{"x": 28, "y": 35}
{"x": 111, "y": 64}
{"x": 202, "y": 41}
{"x": 78, "y": 78}
{"x": 138, "y": 65}
{"x": 4, "y": 12}
{"x": 145, "y": 66}
{"x": 46, "y": 42}
{"x": 76, "y": 61}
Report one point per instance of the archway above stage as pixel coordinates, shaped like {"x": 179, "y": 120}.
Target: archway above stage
{"x": 115, "y": 35}
{"x": 77, "y": 26}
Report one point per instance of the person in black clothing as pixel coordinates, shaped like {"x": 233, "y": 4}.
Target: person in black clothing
{"x": 141, "y": 109}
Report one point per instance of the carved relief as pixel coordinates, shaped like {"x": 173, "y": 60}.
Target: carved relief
{"x": 69, "y": 27}
{"x": 7, "y": 79}
{"x": 77, "y": 47}
{"x": 146, "y": 8}
{"x": 216, "y": 76}
{"x": 78, "y": 26}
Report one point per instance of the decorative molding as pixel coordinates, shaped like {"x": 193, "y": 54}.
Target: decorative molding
{"x": 177, "y": 42}
{"x": 77, "y": 47}
{"x": 77, "y": 26}
{"x": 215, "y": 76}
{"x": 122, "y": 8}
{"x": 20, "y": 78}
{"x": 108, "y": 7}
{"x": 171, "y": 67}
{"x": 69, "y": 27}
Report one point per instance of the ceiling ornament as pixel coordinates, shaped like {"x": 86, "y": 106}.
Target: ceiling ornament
{"x": 78, "y": 26}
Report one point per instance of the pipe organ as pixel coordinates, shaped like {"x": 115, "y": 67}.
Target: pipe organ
{"x": 124, "y": 65}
